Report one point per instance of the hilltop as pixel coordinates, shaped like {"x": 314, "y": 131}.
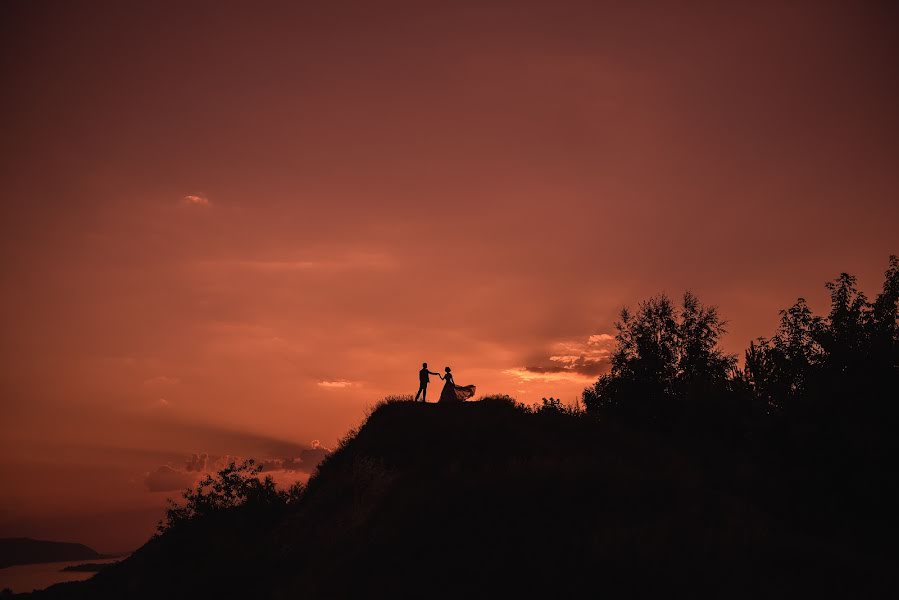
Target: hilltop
{"x": 491, "y": 497}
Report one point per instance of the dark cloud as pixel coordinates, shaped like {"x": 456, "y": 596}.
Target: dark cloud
{"x": 197, "y": 462}
{"x": 280, "y": 464}
{"x": 306, "y": 462}
{"x": 314, "y": 455}
{"x": 221, "y": 441}
{"x": 167, "y": 479}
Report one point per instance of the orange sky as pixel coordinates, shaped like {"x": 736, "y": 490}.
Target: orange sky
{"x": 227, "y": 228}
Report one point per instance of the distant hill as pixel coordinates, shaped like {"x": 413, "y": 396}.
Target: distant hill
{"x": 25, "y": 551}
{"x": 489, "y": 499}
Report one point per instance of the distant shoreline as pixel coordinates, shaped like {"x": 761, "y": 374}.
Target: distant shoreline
{"x": 40, "y": 576}
{"x": 87, "y": 567}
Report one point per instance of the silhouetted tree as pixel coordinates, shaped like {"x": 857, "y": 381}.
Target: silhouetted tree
{"x": 232, "y": 487}
{"x": 778, "y": 370}
{"x": 883, "y": 330}
{"x": 885, "y": 311}
{"x": 835, "y": 367}
{"x": 665, "y": 359}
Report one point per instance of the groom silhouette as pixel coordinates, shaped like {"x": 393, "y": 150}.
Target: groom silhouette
{"x": 423, "y": 380}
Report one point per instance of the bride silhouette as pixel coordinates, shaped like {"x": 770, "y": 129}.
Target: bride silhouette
{"x": 452, "y": 392}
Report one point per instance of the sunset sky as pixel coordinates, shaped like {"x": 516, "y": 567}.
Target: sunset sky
{"x": 230, "y": 227}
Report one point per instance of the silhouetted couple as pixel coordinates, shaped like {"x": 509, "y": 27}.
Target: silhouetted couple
{"x": 451, "y": 392}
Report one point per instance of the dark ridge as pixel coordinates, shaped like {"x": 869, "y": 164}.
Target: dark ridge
{"x": 86, "y": 568}
{"x": 489, "y": 498}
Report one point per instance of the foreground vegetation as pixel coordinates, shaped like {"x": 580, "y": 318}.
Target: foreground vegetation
{"x": 816, "y": 405}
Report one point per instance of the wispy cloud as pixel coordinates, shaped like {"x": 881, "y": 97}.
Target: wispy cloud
{"x": 348, "y": 261}
{"x": 196, "y": 200}
{"x": 161, "y": 380}
{"x": 305, "y": 462}
{"x": 337, "y": 384}
{"x": 169, "y": 479}
{"x": 197, "y": 462}
{"x": 531, "y": 374}
{"x": 600, "y": 338}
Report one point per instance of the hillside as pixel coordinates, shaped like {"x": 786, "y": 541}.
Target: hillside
{"x": 489, "y": 498}
{"x": 25, "y": 551}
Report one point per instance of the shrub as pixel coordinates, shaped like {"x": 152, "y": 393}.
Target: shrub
{"x": 233, "y": 487}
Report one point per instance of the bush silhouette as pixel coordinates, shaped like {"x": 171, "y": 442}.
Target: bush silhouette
{"x": 666, "y": 359}
{"x": 815, "y": 404}
{"x": 235, "y": 486}
{"x": 834, "y": 367}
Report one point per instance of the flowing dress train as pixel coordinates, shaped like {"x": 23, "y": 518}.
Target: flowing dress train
{"x": 455, "y": 393}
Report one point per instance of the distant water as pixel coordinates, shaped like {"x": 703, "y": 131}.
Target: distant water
{"x": 27, "y": 578}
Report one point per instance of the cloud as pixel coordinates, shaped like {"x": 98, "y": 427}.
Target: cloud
{"x": 320, "y": 260}
{"x": 197, "y": 462}
{"x": 338, "y": 384}
{"x": 306, "y": 462}
{"x": 529, "y": 374}
{"x": 167, "y": 479}
{"x": 269, "y": 465}
{"x": 571, "y": 361}
{"x": 218, "y": 440}
{"x": 196, "y": 200}
{"x": 161, "y": 380}
{"x": 286, "y": 459}
{"x": 601, "y": 338}
{"x": 314, "y": 455}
